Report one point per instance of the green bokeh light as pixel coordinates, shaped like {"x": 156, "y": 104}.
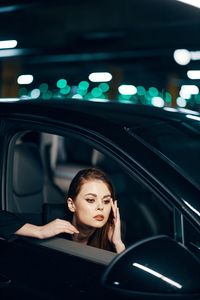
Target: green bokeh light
{"x": 141, "y": 90}
{"x": 126, "y": 96}
{"x": 134, "y": 100}
{"x": 83, "y": 85}
{"x": 96, "y": 92}
{"x": 81, "y": 92}
{"x": 147, "y": 99}
{"x": 65, "y": 90}
{"x": 48, "y": 95}
{"x": 153, "y": 92}
{"x": 43, "y": 87}
{"x": 61, "y": 83}
{"x": 168, "y": 97}
{"x": 88, "y": 96}
{"x": 104, "y": 87}
{"x": 123, "y": 99}
{"x": 197, "y": 99}
{"x": 23, "y": 91}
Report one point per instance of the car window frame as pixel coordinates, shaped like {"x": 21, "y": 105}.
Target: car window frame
{"x": 15, "y": 133}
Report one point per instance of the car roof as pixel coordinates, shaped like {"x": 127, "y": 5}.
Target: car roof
{"x": 115, "y": 110}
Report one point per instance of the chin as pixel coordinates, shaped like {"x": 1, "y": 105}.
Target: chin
{"x": 99, "y": 224}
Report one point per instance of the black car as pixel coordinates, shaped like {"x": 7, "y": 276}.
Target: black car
{"x": 152, "y": 157}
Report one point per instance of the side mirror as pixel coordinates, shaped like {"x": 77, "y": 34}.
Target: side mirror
{"x": 154, "y": 268}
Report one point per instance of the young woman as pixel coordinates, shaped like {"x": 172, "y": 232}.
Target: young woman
{"x": 95, "y": 215}
{"x": 95, "y": 212}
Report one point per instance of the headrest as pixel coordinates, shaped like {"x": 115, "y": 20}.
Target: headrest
{"x": 28, "y": 177}
{"x": 76, "y": 153}
{"x": 56, "y": 211}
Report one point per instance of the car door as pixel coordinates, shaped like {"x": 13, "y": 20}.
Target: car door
{"x": 57, "y": 269}
{"x": 45, "y": 271}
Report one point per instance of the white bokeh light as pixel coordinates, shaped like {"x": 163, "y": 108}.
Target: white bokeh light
{"x": 100, "y": 77}
{"x": 193, "y": 74}
{"x": 8, "y": 44}
{"x": 182, "y": 56}
{"x": 127, "y": 89}
{"x": 25, "y": 79}
{"x": 188, "y": 90}
{"x": 181, "y": 102}
{"x": 158, "y": 102}
{"x": 35, "y": 93}
{"x": 77, "y": 96}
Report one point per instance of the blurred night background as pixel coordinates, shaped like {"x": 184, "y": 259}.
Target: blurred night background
{"x": 138, "y": 51}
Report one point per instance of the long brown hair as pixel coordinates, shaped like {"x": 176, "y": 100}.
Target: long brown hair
{"x": 99, "y": 238}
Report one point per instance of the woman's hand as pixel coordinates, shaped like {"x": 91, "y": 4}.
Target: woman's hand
{"x": 49, "y": 230}
{"x": 114, "y": 234}
{"x": 56, "y": 227}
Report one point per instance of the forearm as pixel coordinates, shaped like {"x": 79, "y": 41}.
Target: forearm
{"x": 48, "y": 230}
{"x": 30, "y": 230}
{"x": 9, "y": 224}
{"x": 119, "y": 247}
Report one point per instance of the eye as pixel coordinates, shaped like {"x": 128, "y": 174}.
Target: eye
{"x": 107, "y": 201}
{"x": 90, "y": 200}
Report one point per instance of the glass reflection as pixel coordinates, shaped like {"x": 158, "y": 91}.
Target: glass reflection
{"x": 162, "y": 277}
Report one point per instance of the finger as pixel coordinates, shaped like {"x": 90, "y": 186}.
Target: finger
{"x": 69, "y": 226}
{"x": 72, "y": 228}
{"x": 112, "y": 203}
{"x": 113, "y": 209}
{"x": 118, "y": 214}
{"x": 69, "y": 230}
{"x": 116, "y": 208}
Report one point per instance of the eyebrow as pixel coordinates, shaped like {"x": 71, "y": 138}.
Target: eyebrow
{"x": 107, "y": 196}
{"x": 94, "y": 195}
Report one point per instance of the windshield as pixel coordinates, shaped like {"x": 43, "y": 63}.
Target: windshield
{"x": 178, "y": 142}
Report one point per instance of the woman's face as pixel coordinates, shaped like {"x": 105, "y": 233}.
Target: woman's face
{"x": 92, "y": 205}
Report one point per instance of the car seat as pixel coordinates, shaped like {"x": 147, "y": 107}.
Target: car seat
{"x": 29, "y": 190}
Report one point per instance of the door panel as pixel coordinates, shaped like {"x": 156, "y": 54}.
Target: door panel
{"x": 41, "y": 273}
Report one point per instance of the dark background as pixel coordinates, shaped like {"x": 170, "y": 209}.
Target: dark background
{"x": 132, "y": 39}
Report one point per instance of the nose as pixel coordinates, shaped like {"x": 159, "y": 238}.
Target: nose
{"x": 100, "y": 206}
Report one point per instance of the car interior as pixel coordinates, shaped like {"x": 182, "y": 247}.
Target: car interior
{"x": 42, "y": 168}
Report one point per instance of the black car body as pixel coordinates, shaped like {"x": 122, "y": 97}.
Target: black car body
{"x": 152, "y": 157}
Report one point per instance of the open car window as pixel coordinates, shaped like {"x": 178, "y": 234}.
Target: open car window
{"x": 42, "y": 168}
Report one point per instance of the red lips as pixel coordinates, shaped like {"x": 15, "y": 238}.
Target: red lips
{"x": 99, "y": 217}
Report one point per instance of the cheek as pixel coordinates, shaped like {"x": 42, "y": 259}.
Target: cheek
{"x": 108, "y": 211}
{"x": 108, "y": 215}
{"x": 84, "y": 212}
